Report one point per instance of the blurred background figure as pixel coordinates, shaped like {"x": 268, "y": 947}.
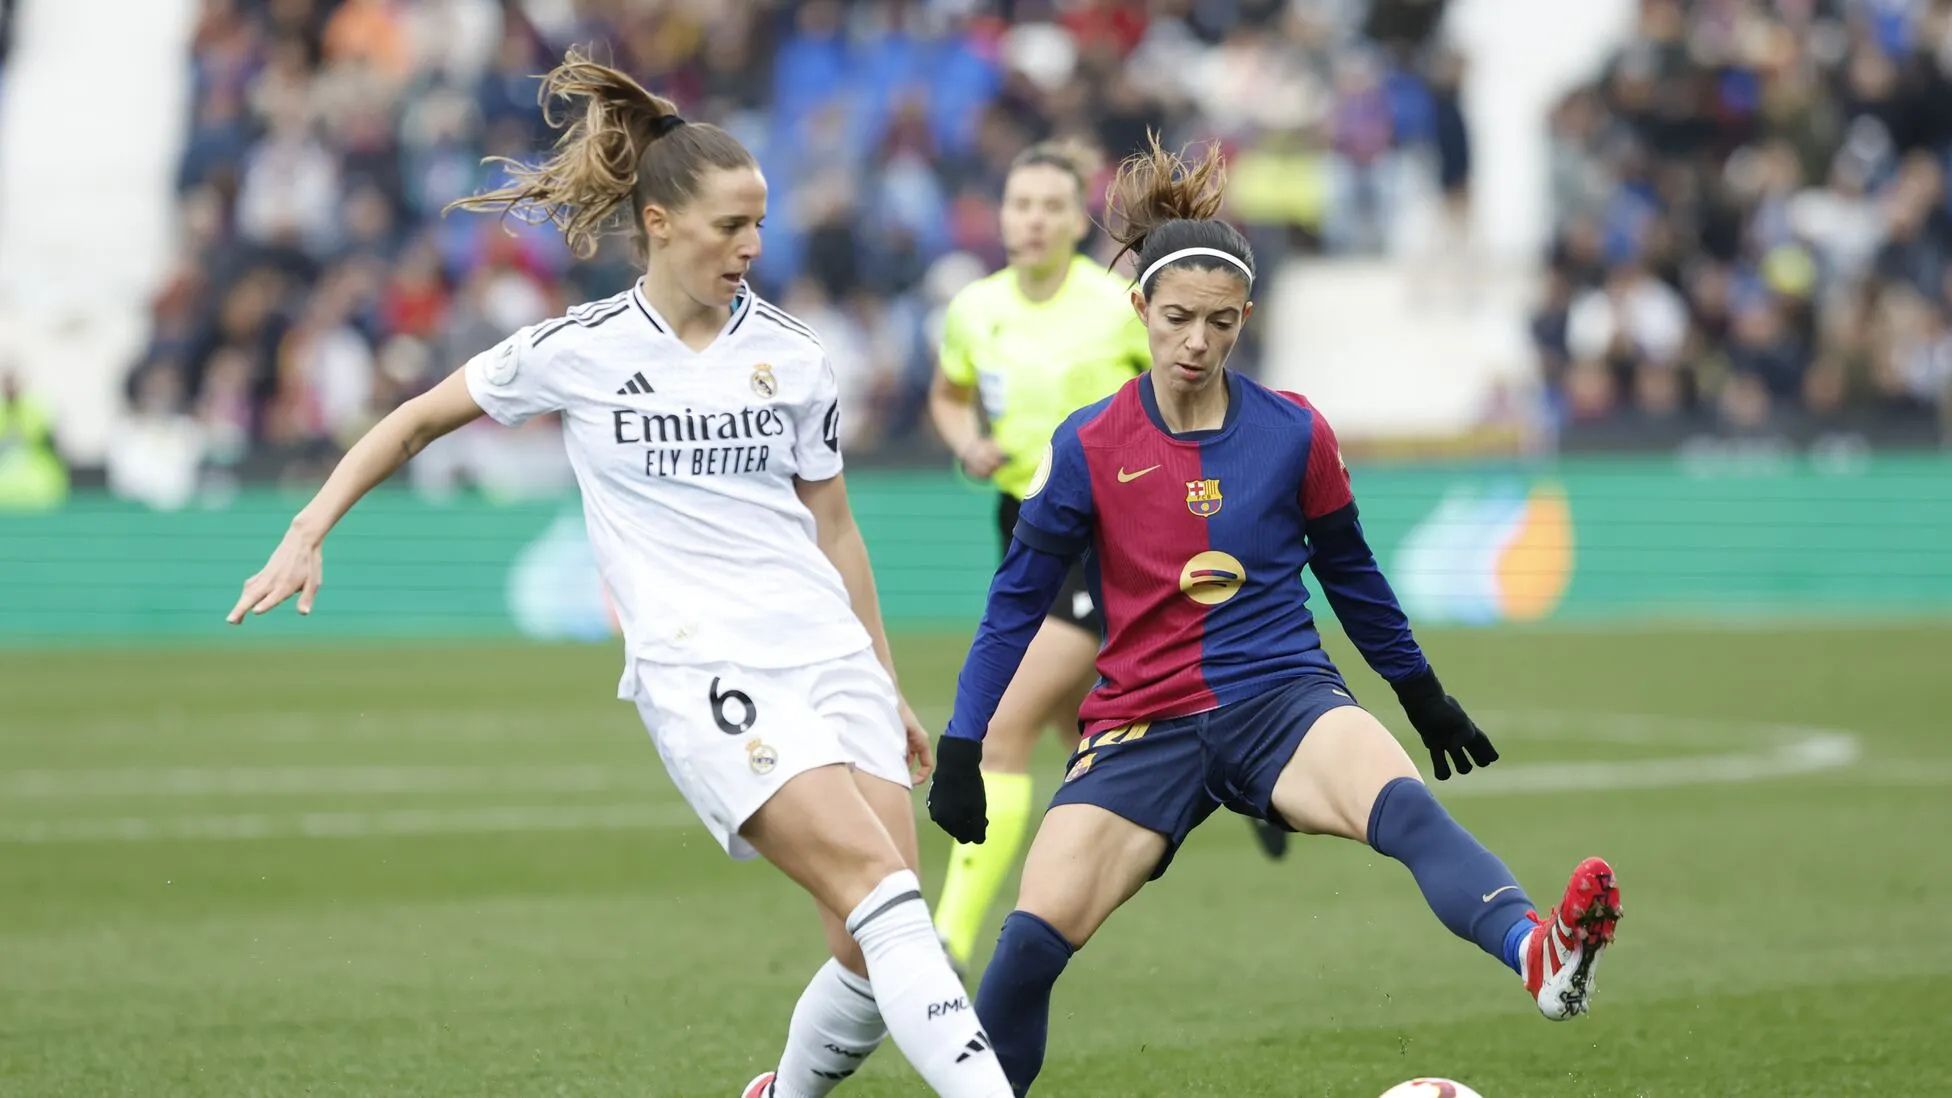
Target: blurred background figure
{"x": 310, "y": 283}
{"x": 32, "y": 475}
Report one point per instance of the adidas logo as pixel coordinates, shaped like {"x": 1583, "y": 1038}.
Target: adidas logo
{"x": 636, "y": 386}
{"x": 977, "y": 1045}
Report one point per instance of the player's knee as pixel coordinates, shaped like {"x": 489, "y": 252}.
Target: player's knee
{"x": 1074, "y": 912}
{"x": 1075, "y": 924}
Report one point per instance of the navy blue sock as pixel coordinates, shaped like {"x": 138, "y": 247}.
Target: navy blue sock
{"x": 1014, "y": 1000}
{"x": 1469, "y": 889}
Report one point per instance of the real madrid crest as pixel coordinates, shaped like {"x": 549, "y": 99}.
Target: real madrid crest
{"x": 761, "y": 757}
{"x": 763, "y": 381}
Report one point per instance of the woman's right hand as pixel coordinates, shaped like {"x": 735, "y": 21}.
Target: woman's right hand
{"x": 296, "y": 567}
{"x": 983, "y": 457}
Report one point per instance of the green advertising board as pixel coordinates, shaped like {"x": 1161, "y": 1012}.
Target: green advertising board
{"x": 1611, "y": 540}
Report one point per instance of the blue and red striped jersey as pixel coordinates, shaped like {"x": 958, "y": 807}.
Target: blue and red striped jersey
{"x": 1194, "y": 546}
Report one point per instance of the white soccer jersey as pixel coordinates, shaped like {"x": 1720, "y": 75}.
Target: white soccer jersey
{"x": 686, "y": 460}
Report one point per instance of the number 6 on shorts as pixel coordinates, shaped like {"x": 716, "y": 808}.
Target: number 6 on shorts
{"x": 749, "y": 712}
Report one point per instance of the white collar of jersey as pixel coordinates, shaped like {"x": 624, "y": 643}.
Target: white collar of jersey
{"x": 741, "y": 304}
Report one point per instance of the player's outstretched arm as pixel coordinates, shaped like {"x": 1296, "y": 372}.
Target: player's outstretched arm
{"x": 297, "y": 566}
{"x": 1340, "y": 558}
{"x": 840, "y": 539}
{"x": 1363, "y": 602}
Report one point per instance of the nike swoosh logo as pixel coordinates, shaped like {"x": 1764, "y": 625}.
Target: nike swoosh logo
{"x": 1127, "y": 478}
{"x": 1488, "y": 896}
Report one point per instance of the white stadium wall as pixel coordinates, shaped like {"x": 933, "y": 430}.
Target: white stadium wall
{"x": 93, "y": 114}
{"x": 1422, "y": 343}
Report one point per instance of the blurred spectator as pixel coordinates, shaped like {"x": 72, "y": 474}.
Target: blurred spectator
{"x": 1753, "y": 229}
{"x": 157, "y": 455}
{"x": 32, "y": 475}
{"x": 317, "y": 283}
{"x": 7, "y": 8}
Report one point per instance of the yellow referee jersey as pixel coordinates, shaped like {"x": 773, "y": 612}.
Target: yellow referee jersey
{"x": 1035, "y": 362}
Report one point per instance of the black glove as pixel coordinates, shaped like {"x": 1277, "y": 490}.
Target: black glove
{"x": 1445, "y": 727}
{"x": 956, "y": 799}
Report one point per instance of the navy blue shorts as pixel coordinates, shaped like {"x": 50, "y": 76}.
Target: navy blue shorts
{"x": 1168, "y": 776}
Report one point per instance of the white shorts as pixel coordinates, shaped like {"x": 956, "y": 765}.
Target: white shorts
{"x": 730, "y": 736}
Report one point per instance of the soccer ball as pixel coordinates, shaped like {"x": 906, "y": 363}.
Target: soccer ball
{"x": 1431, "y": 1088}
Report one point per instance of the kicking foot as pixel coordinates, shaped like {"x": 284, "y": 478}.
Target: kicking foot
{"x": 1562, "y": 951}
{"x": 759, "y": 1088}
{"x": 1274, "y": 840}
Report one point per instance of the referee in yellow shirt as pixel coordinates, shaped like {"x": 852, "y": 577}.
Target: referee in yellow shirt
{"x": 1022, "y": 349}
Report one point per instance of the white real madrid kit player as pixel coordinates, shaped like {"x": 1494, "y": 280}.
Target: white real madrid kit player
{"x": 745, "y": 657}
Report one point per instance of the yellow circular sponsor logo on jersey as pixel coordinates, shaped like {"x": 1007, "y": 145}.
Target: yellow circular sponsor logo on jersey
{"x": 1042, "y": 475}
{"x": 1211, "y": 578}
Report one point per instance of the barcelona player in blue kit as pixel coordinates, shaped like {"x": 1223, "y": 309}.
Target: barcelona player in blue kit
{"x": 1195, "y": 498}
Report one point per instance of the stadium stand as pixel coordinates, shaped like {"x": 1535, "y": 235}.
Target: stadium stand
{"x": 1753, "y": 236}
{"x": 317, "y": 283}
{"x": 1749, "y": 230}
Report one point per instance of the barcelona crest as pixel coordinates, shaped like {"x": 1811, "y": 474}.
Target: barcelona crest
{"x": 1203, "y": 497}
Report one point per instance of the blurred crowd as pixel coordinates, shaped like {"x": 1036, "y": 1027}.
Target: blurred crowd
{"x": 1754, "y": 231}
{"x": 318, "y": 284}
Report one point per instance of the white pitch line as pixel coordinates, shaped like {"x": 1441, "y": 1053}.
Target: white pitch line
{"x": 349, "y": 825}
{"x": 287, "y": 781}
{"x": 1774, "y": 751}
{"x": 1825, "y": 751}
{"x": 299, "y": 726}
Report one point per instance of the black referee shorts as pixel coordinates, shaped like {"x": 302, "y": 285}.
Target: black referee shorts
{"x": 1074, "y": 605}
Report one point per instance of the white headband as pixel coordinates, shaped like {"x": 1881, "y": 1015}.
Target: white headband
{"x": 1184, "y": 252}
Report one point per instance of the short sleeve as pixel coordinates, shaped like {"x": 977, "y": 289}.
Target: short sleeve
{"x": 1325, "y": 489}
{"x": 816, "y": 437}
{"x": 510, "y": 382}
{"x": 1056, "y": 512}
{"x": 956, "y": 355}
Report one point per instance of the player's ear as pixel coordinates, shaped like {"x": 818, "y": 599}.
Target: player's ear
{"x": 1138, "y": 305}
{"x": 657, "y": 222}
{"x": 1246, "y": 312}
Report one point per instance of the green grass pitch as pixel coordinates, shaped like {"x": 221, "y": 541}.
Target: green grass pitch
{"x": 461, "y": 871}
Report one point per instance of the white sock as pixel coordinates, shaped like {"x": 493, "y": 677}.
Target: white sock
{"x": 835, "y": 1025}
{"x": 924, "y": 1006}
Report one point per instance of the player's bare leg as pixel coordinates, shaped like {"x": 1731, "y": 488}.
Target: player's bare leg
{"x": 1330, "y": 785}
{"x": 1350, "y": 777}
{"x": 1057, "y": 671}
{"x": 836, "y": 1023}
{"x": 1084, "y": 863}
{"x": 821, "y": 830}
